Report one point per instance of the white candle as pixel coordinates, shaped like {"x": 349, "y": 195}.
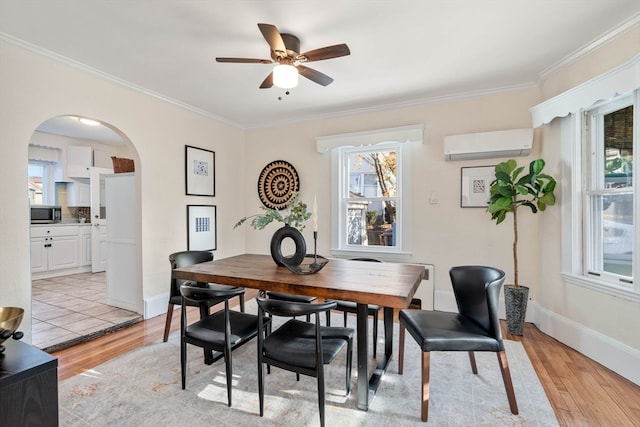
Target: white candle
{"x": 315, "y": 213}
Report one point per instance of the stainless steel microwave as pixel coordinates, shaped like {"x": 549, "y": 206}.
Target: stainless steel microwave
{"x": 45, "y": 214}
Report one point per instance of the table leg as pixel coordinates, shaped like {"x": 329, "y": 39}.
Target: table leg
{"x": 363, "y": 357}
{"x": 367, "y": 387}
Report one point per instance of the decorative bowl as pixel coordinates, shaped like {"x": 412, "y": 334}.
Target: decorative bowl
{"x": 10, "y": 318}
{"x": 308, "y": 267}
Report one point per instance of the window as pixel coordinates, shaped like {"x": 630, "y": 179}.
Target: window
{"x": 370, "y": 191}
{"x": 369, "y": 197}
{"x": 599, "y": 158}
{"x": 40, "y": 183}
{"x": 608, "y": 224}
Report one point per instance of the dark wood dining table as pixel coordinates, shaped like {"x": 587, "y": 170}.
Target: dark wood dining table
{"x": 389, "y": 285}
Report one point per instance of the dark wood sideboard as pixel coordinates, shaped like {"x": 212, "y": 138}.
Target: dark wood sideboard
{"x": 28, "y": 386}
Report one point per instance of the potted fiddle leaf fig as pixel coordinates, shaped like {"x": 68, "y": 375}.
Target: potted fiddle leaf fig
{"x": 509, "y": 192}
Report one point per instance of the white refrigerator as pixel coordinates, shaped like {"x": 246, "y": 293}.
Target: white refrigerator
{"x": 123, "y": 288}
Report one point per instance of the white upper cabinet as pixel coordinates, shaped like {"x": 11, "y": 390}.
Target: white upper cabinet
{"x": 78, "y": 193}
{"x": 79, "y": 161}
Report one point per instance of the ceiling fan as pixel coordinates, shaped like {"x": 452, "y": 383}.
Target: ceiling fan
{"x": 285, "y": 51}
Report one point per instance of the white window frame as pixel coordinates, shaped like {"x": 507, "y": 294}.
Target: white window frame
{"x": 575, "y": 214}
{"x": 48, "y": 184}
{"x": 592, "y": 147}
{"x": 568, "y": 108}
{"x": 399, "y": 139}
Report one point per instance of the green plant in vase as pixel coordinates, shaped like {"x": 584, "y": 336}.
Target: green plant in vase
{"x": 508, "y": 192}
{"x": 293, "y": 216}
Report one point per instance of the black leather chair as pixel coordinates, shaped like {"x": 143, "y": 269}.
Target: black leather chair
{"x": 474, "y": 328}
{"x": 184, "y": 259}
{"x": 301, "y": 347}
{"x": 281, "y": 296}
{"x": 351, "y": 307}
{"x": 221, "y": 331}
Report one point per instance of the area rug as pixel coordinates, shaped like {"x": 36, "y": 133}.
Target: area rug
{"x": 142, "y": 388}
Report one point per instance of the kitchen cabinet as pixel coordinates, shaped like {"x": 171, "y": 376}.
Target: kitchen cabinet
{"x": 55, "y": 248}
{"x": 85, "y": 245}
{"x": 79, "y": 161}
{"x": 78, "y": 193}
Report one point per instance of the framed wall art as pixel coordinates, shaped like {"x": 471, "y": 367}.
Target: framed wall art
{"x": 201, "y": 228}
{"x": 475, "y": 183}
{"x": 200, "y": 171}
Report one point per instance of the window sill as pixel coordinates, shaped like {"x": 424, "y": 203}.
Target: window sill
{"x": 601, "y": 286}
{"x": 382, "y": 255}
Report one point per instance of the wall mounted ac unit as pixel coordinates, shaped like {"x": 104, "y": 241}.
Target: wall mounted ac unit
{"x": 488, "y": 145}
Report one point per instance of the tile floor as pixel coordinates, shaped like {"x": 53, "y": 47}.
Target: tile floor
{"x": 67, "y": 310}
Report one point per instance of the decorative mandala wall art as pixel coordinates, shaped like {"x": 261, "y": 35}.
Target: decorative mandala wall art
{"x": 277, "y": 184}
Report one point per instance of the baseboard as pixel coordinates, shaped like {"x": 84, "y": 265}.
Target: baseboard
{"x": 610, "y": 353}
{"x": 155, "y": 305}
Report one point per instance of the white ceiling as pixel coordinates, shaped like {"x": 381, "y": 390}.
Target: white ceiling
{"x": 403, "y": 52}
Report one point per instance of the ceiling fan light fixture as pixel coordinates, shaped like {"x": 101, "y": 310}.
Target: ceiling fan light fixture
{"x": 285, "y": 76}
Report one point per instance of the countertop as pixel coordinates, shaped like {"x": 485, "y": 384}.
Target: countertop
{"x": 64, "y": 222}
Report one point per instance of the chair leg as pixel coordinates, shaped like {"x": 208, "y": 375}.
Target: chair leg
{"x": 506, "y": 378}
{"x": 328, "y": 314}
{"x": 208, "y": 354}
{"x": 401, "y": 349}
{"x": 167, "y": 323}
{"x": 241, "y": 297}
{"x": 345, "y": 318}
{"x": 183, "y": 347}
{"x": 426, "y": 358}
{"x": 261, "y": 384}
{"x": 472, "y": 360}
{"x": 321, "y": 393}
{"x": 375, "y": 333}
{"x": 349, "y": 362}
{"x": 229, "y": 372}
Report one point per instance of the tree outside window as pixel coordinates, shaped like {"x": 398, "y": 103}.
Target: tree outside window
{"x": 371, "y": 197}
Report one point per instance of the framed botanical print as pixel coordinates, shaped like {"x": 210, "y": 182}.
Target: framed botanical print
{"x": 201, "y": 228}
{"x": 200, "y": 171}
{"x": 475, "y": 184}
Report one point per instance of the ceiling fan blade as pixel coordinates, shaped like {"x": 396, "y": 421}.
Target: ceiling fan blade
{"x": 273, "y": 37}
{"x": 268, "y": 82}
{"x": 314, "y": 75}
{"x": 245, "y": 60}
{"x": 328, "y": 52}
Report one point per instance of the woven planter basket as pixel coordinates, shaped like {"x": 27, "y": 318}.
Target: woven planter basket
{"x": 122, "y": 165}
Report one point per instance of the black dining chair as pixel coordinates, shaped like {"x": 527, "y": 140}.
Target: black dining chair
{"x": 475, "y": 327}
{"x": 282, "y": 296}
{"x": 301, "y": 347}
{"x": 373, "y": 310}
{"x": 220, "y": 332}
{"x": 185, "y": 259}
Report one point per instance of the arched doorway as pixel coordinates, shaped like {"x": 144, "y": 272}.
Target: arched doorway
{"x": 69, "y": 295}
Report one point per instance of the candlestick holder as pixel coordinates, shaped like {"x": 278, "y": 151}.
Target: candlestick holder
{"x": 315, "y": 248}
{"x": 313, "y": 267}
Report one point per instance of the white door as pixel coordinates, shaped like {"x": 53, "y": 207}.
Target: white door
{"x": 98, "y": 220}
{"x": 123, "y": 286}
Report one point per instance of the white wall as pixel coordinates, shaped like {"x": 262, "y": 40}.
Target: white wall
{"x": 443, "y": 234}
{"x": 35, "y": 89}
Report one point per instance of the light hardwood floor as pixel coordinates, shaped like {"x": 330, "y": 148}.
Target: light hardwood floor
{"x": 581, "y": 391}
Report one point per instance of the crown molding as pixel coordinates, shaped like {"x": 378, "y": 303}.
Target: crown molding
{"x": 590, "y": 47}
{"x": 108, "y": 77}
